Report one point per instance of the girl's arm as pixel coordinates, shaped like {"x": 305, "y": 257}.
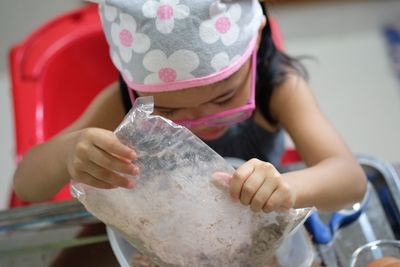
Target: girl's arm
{"x": 87, "y": 154}
{"x": 334, "y": 178}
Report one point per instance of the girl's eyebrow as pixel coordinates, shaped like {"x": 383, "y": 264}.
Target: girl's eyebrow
{"x": 166, "y": 108}
{"x": 226, "y": 95}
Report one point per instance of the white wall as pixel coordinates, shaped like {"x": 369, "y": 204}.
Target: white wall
{"x": 352, "y": 77}
{"x": 330, "y": 18}
{"x": 20, "y": 17}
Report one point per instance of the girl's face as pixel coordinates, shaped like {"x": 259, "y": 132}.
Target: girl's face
{"x": 198, "y": 102}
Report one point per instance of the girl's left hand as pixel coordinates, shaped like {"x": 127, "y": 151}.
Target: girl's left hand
{"x": 260, "y": 185}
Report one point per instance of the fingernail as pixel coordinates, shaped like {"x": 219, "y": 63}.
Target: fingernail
{"x": 222, "y": 175}
{"x": 131, "y": 184}
{"x": 135, "y": 170}
{"x": 133, "y": 155}
{"x": 128, "y": 160}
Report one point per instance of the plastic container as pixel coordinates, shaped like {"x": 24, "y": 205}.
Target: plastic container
{"x": 377, "y": 253}
{"x": 295, "y": 251}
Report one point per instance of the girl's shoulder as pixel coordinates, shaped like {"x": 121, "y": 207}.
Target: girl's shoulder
{"x": 261, "y": 121}
{"x": 292, "y": 96}
{"x": 293, "y": 86}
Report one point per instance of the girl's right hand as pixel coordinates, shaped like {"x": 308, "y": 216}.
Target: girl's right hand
{"x": 99, "y": 159}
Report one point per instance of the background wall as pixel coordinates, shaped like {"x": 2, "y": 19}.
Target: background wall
{"x": 352, "y": 76}
{"x": 19, "y": 17}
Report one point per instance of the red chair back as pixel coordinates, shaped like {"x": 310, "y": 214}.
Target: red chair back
{"x": 55, "y": 73}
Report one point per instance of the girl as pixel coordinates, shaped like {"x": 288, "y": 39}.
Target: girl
{"x": 211, "y": 66}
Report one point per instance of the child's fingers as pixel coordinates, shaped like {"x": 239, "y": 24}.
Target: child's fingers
{"x": 107, "y": 161}
{"x": 221, "y": 179}
{"x": 262, "y": 195}
{"x": 222, "y": 176}
{"x": 108, "y": 176}
{"x": 239, "y": 178}
{"x": 251, "y": 186}
{"x": 273, "y": 203}
{"x": 88, "y": 179}
{"x": 112, "y": 145}
{"x": 281, "y": 199}
{"x": 260, "y": 185}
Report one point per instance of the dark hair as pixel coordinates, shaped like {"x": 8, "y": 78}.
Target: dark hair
{"x": 273, "y": 67}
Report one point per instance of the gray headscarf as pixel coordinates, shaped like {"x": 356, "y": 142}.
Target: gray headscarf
{"x": 164, "y": 45}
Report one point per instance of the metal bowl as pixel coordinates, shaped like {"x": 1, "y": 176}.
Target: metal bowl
{"x": 295, "y": 251}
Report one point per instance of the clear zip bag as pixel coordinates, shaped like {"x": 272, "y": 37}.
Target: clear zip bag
{"x": 179, "y": 213}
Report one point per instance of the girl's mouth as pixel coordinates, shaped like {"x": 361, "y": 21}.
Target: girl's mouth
{"x": 208, "y": 134}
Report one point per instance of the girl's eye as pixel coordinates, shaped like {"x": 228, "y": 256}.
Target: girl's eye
{"x": 167, "y": 112}
{"x": 221, "y": 103}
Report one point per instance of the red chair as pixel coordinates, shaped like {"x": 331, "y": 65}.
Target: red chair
{"x": 55, "y": 73}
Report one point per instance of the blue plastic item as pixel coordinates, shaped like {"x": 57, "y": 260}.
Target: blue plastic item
{"x": 323, "y": 234}
{"x": 320, "y": 232}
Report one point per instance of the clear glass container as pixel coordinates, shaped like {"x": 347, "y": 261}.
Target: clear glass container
{"x": 377, "y": 253}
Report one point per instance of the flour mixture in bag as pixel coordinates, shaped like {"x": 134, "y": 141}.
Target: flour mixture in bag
{"x": 176, "y": 215}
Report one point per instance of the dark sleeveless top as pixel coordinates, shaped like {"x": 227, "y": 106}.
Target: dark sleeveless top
{"x": 245, "y": 140}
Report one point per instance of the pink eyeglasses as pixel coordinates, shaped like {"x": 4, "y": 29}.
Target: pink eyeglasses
{"x": 230, "y": 116}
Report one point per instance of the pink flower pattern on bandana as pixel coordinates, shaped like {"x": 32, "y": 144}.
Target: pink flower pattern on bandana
{"x": 166, "y": 45}
{"x": 221, "y": 61}
{"x": 177, "y": 66}
{"x": 165, "y": 12}
{"x": 125, "y": 37}
{"x": 222, "y": 25}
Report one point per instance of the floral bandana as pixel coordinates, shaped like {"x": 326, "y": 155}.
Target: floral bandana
{"x": 165, "y": 45}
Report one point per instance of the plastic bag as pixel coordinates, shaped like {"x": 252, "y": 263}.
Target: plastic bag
{"x": 175, "y": 214}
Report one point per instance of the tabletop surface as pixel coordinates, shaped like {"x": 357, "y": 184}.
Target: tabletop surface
{"x": 65, "y": 234}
